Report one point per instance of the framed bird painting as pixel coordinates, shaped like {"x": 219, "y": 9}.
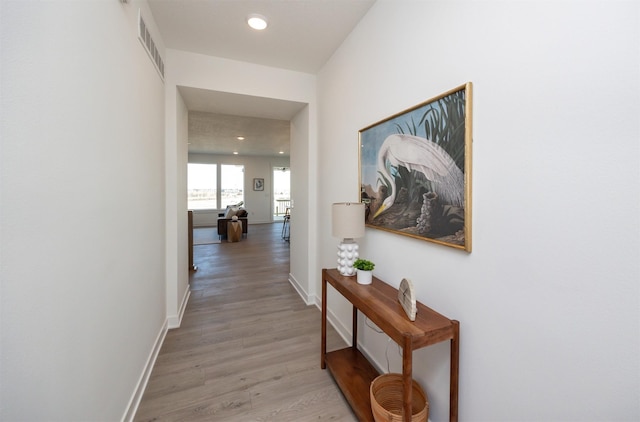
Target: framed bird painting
{"x": 415, "y": 170}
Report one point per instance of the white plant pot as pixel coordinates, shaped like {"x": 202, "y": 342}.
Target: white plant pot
{"x": 365, "y": 277}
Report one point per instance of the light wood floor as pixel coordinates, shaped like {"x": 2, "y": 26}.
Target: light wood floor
{"x": 248, "y": 348}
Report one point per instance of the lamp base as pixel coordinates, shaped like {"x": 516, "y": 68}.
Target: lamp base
{"x": 347, "y": 254}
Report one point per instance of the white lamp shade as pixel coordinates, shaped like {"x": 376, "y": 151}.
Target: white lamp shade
{"x": 347, "y": 220}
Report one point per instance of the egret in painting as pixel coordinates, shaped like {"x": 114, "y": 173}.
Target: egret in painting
{"x": 426, "y": 157}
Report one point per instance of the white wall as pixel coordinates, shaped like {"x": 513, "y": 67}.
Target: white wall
{"x": 177, "y": 239}
{"x": 548, "y": 300}
{"x": 218, "y": 74}
{"x": 302, "y": 227}
{"x": 259, "y": 204}
{"x": 82, "y": 214}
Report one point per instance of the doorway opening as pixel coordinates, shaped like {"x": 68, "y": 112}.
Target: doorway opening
{"x": 281, "y": 192}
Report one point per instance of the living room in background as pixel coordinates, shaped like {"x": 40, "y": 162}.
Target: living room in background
{"x": 281, "y": 190}
{"x": 202, "y": 186}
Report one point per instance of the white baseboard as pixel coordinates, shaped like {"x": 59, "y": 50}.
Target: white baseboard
{"x": 341, "y": 329}
{"x": 176, "y": 320}
{"x": 306, "y": 297}
{"x": 170, "y": 322}
{"x": 134, "y": 402}
{"x": 345, "y": 333}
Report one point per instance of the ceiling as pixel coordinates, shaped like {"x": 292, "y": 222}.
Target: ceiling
{"x": 301, "y": 36}
{"x": 216, "y": 119}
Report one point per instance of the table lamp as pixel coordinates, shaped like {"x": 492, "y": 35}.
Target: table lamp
{"x": 347, "y": 223}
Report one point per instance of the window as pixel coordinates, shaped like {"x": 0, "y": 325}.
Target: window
{"x": 204, "y": 181}
{"x": 232, "y": 184}
{"x": 201, "y": 186}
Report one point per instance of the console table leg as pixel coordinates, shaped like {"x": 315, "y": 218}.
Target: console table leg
{"x": 407, "y": 379}
{"x": 455, "y": 365}
{"x": 354, "y": 329}
{"x": 323, "y": 346}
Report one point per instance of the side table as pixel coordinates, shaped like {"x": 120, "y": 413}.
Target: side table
{"x": 234, "y": 231}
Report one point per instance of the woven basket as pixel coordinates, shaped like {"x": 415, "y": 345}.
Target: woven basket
{"x": 386, "y": 400}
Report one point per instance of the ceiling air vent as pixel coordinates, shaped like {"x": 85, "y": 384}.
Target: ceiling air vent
{"x": 145, "y": 38}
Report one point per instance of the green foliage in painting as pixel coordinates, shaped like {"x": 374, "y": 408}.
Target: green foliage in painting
{"x": 443, "y": 122}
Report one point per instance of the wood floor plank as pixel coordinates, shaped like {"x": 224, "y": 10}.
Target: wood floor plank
{"x": 248, "y": 348}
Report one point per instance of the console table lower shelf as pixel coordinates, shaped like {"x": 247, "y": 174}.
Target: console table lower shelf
{"x": 354, "y": 374}
{"x": 378, "y": 301}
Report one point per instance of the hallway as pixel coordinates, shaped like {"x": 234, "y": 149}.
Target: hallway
{"x": 248, "y": 348}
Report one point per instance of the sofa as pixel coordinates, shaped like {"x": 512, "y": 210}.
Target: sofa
{"x": 227, "y": 216}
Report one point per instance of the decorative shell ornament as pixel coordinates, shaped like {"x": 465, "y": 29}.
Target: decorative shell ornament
{"x": 407, "y": 298}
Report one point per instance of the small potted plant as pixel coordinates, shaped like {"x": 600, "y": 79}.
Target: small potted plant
{"x": 364, "y": 269}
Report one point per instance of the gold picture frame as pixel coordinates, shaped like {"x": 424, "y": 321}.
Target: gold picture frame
{"x": 415, "y": 170}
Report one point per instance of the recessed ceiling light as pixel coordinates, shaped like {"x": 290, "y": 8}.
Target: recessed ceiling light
{"x": 281, "y": 152}
{"x": 235, "y": 152}
{"x": 240, "y": 138}
{"x": 257, "y": 22}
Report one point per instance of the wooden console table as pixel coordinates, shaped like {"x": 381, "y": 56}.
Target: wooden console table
{"x": 379, "y": 302}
